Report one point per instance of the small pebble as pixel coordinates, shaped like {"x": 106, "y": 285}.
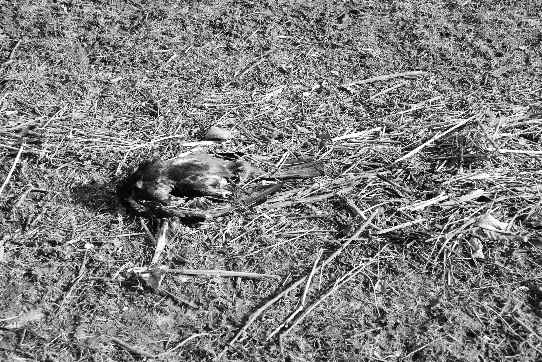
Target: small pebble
{"x": 215, "y": 133}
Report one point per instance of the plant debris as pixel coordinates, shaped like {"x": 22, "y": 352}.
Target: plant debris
{"x": 402, "y": 139}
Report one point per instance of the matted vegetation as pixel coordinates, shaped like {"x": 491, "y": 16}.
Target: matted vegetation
{"x": 432, "y": 178}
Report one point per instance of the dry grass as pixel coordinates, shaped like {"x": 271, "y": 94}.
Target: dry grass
{"x": 91, "y": 89}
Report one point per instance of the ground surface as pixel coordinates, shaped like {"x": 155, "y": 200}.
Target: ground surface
{"x": 451, "y": 261}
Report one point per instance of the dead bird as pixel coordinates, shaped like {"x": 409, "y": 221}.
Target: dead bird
{"x": 199, "y": 174}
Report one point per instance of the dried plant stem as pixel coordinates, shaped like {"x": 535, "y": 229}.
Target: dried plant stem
{"x": 10, "y": 173}
{"x": 305, "y": 200}
{"x": 486, "y": 134}
{"x": 518, "y": 152}
{"x": 252, "y": 65}
{"x": 303, "y": 300}
{"x": 3, "y": 320}
{"x": 361, "y": 134}
{"x": 178, "y": 298}
{"x": 415, "y": 107}
{"x": 261, "y": 196}
{"x": 424, "y": 204}
{"x": 436, "y": 137}
{"x": 399, "y": 227}
{"x": 2, "y": 250}
{"x": 181, "y": 344}
{"x": 161, "y": 241}
{"x": 221, "y": 273}
{"x": 12, "y": 53}
{"x": 252, "y": 318}
{"x": 147, "y": 231}
{"x": 80, "y": 276}
{"x": 339, "y": 283}
{"x": 387, "y": 90}
{"x": 142, "y": 353}
{"x": 311, "y": 276}
{"x": 132, "y": 349}
{"x": 381, "y": 78}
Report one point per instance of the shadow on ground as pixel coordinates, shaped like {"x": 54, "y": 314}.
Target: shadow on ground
{"x": 102, "y": 198}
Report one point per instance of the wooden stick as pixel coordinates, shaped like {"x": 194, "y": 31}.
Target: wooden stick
{"x": 121, "y": 163}
{"x": 221, "y": 273}
{"x": 380, "y": 78}
{"x": 433, "y": 139}
{"x": 10, "y": 173}
{"x": 252, "y": 318}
